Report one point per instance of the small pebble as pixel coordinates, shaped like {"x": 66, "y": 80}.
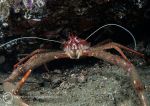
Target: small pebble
{"x": 45, "y": 76}
{"x": 81, "y": 78}
{"x": 57, "y": 71}
{"x": 73, "y": 78}
{"x": 5, "y": 24}
{"x": 56, "y": 80}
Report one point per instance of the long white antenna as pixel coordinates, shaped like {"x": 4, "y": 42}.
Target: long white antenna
{"x": 117, "y": 26}
{"x": 29, "y": 38}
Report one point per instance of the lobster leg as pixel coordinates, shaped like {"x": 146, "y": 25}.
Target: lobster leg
{"x": 22, "y": 81}
{"x": 117, "y": 60}
{"x": 38, "y": 51}
{"x": 109, "y": 46}
{"x": 32, "y": 63}
{"x": 116, "y": 46}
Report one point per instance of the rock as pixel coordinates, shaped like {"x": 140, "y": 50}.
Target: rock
{"x": 81, "y": 78}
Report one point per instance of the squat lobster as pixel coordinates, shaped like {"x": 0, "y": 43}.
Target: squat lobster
{"x": 76, "y": 48}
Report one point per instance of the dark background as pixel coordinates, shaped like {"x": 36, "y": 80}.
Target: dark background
{"x": 59, "y": 17}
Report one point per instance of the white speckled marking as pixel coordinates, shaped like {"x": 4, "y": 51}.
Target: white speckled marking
{"x": 55, "y": 57}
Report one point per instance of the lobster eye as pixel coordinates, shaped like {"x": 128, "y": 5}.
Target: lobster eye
{"x": 77, "y": 40}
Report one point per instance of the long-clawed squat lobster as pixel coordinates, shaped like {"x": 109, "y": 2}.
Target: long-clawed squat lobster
{"x": 76, "y": 48}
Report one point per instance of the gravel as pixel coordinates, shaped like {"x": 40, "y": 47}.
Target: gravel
{"x": 96, "y": 85}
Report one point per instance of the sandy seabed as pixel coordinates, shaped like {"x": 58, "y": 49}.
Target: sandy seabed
{"x": 97, "y": 85}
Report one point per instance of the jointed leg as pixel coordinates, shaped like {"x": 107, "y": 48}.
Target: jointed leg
{"x": 123, "y": 47}
{"x": 117, "y": 60}
{"x": 22, "y": 81}
{"x": 118, "y": 48}
{"x": 112, "y": 46}
{"x": 32, "y": 63}
{"x": 45, "y": 66}
{"x": 128, "y": 49}
{"x": 38, "y": 51}
{"x": 10, "y": 87}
